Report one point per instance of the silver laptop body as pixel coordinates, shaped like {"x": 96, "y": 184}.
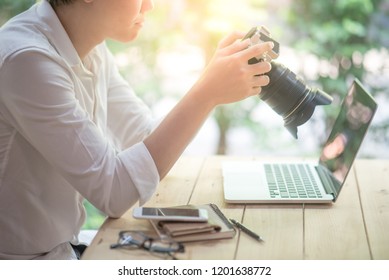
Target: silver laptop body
{"x": 306, "y": 182}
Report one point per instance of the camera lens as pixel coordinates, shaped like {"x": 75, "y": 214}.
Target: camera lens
{"x": 291, "y": 98}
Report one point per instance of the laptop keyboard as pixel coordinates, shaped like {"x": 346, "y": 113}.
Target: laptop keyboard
{"x": 291, "y": 181}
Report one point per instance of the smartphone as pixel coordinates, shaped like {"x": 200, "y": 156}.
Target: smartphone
{"x": 171, "y": 214}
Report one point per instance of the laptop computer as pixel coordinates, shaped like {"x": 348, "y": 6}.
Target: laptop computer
{"x": 302, "y": 182}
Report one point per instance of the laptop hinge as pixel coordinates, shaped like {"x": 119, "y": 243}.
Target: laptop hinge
{"x": 327, "y": 180}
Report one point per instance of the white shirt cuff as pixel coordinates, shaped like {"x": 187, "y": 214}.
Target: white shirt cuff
{"x": 142, "y": 170}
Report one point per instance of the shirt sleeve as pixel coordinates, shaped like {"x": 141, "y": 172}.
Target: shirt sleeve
{"x": 39, "y": 102}
{"x": 129, "y": 119}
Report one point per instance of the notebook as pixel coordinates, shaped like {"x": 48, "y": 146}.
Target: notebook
{"x": 299, "y": 182}
{"x": 217, "y": 227}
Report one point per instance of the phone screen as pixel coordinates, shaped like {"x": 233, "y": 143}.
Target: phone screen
{"x": 170, "y": 212}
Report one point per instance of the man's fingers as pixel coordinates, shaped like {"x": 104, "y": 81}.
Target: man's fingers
{"x": 260, "y": 81}
{"x": 236, "y": 47}
{"x": 230, "y": 39}
{"x": 257, "y": 50}
{"x": 260, "y": 68}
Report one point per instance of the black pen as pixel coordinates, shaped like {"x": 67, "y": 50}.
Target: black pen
{"x": 246, "y": 230}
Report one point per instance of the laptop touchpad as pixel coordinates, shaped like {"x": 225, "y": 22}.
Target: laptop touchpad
{"x": 245, "y": 182}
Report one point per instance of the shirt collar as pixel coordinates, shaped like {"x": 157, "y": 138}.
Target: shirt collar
{"x": 55, "y": 32}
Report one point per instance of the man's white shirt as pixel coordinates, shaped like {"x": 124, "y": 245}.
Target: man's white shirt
{"x": 69, "y": 129}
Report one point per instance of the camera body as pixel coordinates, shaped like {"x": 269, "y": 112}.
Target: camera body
{"x": 259, "y": 35}
{"x": 287, "y": 94}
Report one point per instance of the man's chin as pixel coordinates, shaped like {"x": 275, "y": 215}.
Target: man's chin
{"x": 125, "y": 39}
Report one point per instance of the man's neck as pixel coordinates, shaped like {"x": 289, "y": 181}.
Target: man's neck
{"x": 79, "y": 27}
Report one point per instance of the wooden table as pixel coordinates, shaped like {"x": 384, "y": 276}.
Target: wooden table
{"x": 355, "y": 227}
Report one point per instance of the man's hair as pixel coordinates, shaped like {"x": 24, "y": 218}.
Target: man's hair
{"x": 56, "y": 3}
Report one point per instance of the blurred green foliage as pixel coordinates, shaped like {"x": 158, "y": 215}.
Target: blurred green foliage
{"x": 342, "y": 32}
{"x": 95, "y": 218}
{"x": 336, "y": 31}
{"x": 9, "y": 8}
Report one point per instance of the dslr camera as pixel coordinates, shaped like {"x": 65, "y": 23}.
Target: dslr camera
{"x": 287, "y": 94}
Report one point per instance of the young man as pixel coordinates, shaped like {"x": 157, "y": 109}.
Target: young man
{"x": 72, "y": 128}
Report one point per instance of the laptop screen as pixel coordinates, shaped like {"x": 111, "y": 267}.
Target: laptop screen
{"x": 346, "y": 137}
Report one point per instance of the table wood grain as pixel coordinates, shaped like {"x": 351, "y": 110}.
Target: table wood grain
{"x": 355, "y": 227}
